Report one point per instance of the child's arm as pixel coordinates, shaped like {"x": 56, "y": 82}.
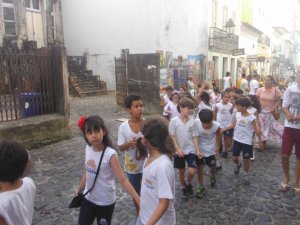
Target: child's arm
{"x": 196, "y": 144}
{"x": 229, "y": 127}
{"x": 81, "y": 184}
{"x": 289, "y": 116}
{"x": 256, "y": 130}
{"x": 127, "y": 145}
{"x": 160, "y": 210}
{"x": 218, "y": 140}
{"x": 115, "y": 164}
{"x": 179, "y": 151}
{"x": 215, "y": 113}
{"x": 2, "y": 221}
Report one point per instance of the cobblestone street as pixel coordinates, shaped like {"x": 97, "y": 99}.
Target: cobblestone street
{"x": 58, "y": 168}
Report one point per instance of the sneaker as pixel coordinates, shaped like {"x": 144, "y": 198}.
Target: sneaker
{"x": 213, "y": 181}
{"x": 201, "y": 192}
{"x": 237, "y": 169}
{"x": 189, "y": 190}
{"x": 253, "y": 158}
{"x": 224, "y": 154}
{"x": 183, "y": 193}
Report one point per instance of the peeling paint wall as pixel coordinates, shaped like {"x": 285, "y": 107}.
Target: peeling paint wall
{"x": 103, "y": 28}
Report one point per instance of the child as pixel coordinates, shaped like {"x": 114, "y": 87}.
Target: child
{"x": 158, "y": 184}
{"x": 171, "y": 107}
{"x": 166, "y": 98}
{"x": 215, "y": 96}
{"x": 244, "y": 125}
{"x": 204, "y": 103}
{"x": 207, "y": 140}
{"x": 16, "y": 193}
{"x": 128, "y": 133}
{"x": 100, "y": 201}
{"x": 223, "y": 115}
{"x": 180, "y": 129}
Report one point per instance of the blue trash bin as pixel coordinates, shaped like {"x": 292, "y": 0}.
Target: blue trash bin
{"x": 30, "y": 104}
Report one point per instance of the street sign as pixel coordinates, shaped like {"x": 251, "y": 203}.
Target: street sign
{"x": 240, "y": 51}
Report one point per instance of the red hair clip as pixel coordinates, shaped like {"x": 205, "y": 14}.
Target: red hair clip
{"x": 81, "y": 121}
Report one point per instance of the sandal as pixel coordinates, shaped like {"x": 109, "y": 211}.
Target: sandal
{"x": 297, "y": 191}
{"x": 283, "y": 187}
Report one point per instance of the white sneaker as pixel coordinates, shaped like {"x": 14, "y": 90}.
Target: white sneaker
{"x": 253, "y": 158}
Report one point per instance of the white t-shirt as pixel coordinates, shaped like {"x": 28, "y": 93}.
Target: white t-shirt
{"x": 244, "y": 85}
{"x": 183, "y": 134}
{"x": 158, "y": 182}
{"x": 200, "y": 107}
{"x": 224, "y": 114}
{"x": 173, "y": 108}
{"x": 243, "y": 131}
{"x": 104, "y": 191}
{"x": 291, "y": 100}
{"x": 215, "y": 98}
{"x": 252, "y": 110}
{"x": 254, "y": 85}
{"x": 206, "y": 137}
{"x": 16, "y": 206}
{"x": 131, "y": 164}
{"x": 226, "y": 82}
{"x": 166, "y": 100}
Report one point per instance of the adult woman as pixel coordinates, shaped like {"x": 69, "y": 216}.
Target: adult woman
{"x": 269, "y": 99}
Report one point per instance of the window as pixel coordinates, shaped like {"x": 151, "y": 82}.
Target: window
{"x": 32, "y": 4}
{"x": 52, "y": 27}
{"x": 9, "y": 17}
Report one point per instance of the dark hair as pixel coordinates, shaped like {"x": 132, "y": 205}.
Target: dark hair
{"x": 225, "y": 93}
{"x": 255, "y": 102}
{"x": 206, "y": 115}
{"x": 205, "y": 97}
{"x": 95, "y": 123}
{"x": 155, "y": 130}
{"x": 128, "y": 100}
{"x": 13, "y": 161}
{"x": 169, "y": 88}
{"x": 271, "y": 78}
{"x": 243, "y": 75}
{"x": 239, "y": 91}
{"x": 227, "y": 90}
{"x": 216, "y": 89}
{"x": 244, "y": 102}
{"x": 172, "y": 96}
{"x": 227, "y": 74}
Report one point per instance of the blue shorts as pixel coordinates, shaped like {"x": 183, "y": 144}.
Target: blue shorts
{"x": 210, "y": 161}
{"x": 135, "y": 179}
{"x": 89, "y": 211}
{"x": 239, "y": 147}
{"x": 139, "y": 221}
{"x": 228, "y": 133}
{"x": 191, "y": 159}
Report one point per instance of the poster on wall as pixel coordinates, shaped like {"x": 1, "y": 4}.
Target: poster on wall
{"x": 194, "y": 68}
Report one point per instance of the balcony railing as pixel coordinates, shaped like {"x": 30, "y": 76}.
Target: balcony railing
{"x": 222, "y": 41}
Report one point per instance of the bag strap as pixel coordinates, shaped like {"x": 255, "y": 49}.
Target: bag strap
{"x": 96, "y": 173}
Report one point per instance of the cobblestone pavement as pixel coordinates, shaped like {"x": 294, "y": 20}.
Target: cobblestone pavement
{"x": 58, "y": 167}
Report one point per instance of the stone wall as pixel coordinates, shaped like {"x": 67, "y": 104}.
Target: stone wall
{"x": 37, "y": 131}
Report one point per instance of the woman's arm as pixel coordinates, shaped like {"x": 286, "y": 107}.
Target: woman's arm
{"x": 160, "y": 210}
{"x": 115, "y": 164}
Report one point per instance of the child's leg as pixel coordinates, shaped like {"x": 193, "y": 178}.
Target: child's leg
{"x": 181, "y": 177}
{"x": 211, "y": 162}
{"x": 192, "y": 167}
{"x": 297, "y": 174}
{"x": 200, "y": 174}
{"x": 286, "y": 149}
{"x": 246, "y": 165}
{"x": 87, "y": 212}
{"x": 236, "y": 150}
{"x": 105, "y": 212}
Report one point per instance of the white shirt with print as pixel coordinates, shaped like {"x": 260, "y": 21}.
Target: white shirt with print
{"x": 243, "y": 131}
{"x": 224, "y": 114}
{"x": 125, "y": 134}
{"x": 173, "y": 108}
{"x": 291, "y": 100}
{"x": 158, "y": 182}
{"x": 104, "y": 191}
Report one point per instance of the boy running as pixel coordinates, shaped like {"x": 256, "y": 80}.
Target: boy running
{"x": 180, "y": 129}
{"x": 244, "y": 124}
{"x": 207, "y": 140}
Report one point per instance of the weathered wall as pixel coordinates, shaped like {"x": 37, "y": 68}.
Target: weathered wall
{"x": 103, "y": 28}
{"x": 37, "y": 131}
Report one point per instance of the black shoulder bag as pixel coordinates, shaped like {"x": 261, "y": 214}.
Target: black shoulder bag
{"x": 77, "y": 200}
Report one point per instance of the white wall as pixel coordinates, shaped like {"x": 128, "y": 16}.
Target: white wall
{"x": 103, "y": 28}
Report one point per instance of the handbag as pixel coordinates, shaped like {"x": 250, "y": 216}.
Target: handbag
{"x": 77, "y": 200}
{"x": 276, "y": 113}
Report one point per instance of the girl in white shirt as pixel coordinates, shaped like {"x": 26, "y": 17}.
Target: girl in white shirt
{"x": 100, "y": 201}
{"x": 171, "y": 108}
{"x": 158, "y": 183}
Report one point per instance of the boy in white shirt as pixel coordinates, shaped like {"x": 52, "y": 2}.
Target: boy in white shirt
{"x": 244, "y": 124}
{"x": 180, "y": 130}
{"x": 207, "y": 141}
{"x": 16, "y": 193}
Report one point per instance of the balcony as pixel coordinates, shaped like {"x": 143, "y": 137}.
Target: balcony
{"x": 222, "y": 41}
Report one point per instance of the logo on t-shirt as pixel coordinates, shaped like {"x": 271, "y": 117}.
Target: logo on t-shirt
{"x": 91, "y": 166}
{"x": 148, "y": 184}
{"x": 241, "y": 123}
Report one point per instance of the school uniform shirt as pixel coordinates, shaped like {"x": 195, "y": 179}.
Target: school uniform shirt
{"x": 104, "y": 191}
{"x": 291, "y": 100}
{"x": 224, "y": 114}
{"x": 16, "y": 206}
{"x": 166, "y": 100}
{"x": 158, "y": 182}
{"x": 183, "y": 134}
{"x": 131, "y": 164}
{"x": 243, "y": 131}
{"x": 206, "y": 137}
{"x": 173, "y": 108}
{"x": 252, "y": 86}
{"x": 226, "y": 82}
{"x": 215, "y": 98}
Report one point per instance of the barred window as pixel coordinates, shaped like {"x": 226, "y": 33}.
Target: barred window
{"x": 9, "y": 17}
